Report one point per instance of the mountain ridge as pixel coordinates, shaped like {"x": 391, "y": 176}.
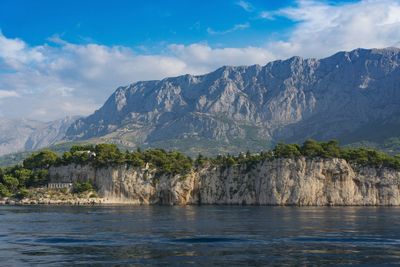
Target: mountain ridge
{"x": 19, "y": 135}
{"x": 291, "y": 99}
{"x": 352, "y": 96}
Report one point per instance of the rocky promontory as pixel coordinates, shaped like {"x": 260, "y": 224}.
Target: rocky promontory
{"x": 283, "y": 181}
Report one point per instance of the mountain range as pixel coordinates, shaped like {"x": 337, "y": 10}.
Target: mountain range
{"x": 350, "y": 96}
{"x": 26, "y": 135}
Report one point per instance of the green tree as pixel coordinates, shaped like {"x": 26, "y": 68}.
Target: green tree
{"x": 108, "y": 153}
{"x": 38, "y": 178}
{"x": 200, "y": 161}
{"x": 11, "y": 182}
{"x": 312, "y": 149}
{"x": 331, "y": 149}
{"x": 4, "y": 192}
{"x": 82, "y": 187}
{"x": 134, "y": 159}
{"x": 67, "y": 157}
{"x": 172, "y": 162}
{"x": 40, "y": 160}
{"x": 282, "y": 150}
{"x": 23, "y": 175}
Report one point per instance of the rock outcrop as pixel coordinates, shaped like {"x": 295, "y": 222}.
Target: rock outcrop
{"x": 279, "y": 182}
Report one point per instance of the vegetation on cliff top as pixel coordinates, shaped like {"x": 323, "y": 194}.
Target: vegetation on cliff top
{"x": 34, "y": 170}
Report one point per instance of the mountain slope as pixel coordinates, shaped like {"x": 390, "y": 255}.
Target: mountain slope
{"x": 351, "y": 96}
{"x": 27, "y": 135}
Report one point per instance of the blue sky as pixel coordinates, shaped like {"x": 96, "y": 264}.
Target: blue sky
{"x": 61, "y": 58}
{"x": 142, "y": 23}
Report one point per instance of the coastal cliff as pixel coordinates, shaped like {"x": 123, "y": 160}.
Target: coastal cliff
{"x": 282, "y": 181}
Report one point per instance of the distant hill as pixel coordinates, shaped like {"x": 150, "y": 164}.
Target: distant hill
{"x": 17, "y": 135}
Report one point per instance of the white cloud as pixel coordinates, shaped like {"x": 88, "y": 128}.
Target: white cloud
{"x": 16, "y": 54}
{"x": 51, "y": 81}
{"x": 71, "y": 79}
{"x": 5, "y": 94}
{"x": 247, "y": 6}
{"x": 267, "y": 15}
{"x": 235, "y": 27}
{"x": 201, "y": 58}
{"x": 323, "y": 29}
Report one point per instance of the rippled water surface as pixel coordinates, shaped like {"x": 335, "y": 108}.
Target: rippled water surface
{"x": 205, "y": 235}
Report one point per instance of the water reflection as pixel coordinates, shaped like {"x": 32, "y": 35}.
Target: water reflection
{"x": 199, "y": 235}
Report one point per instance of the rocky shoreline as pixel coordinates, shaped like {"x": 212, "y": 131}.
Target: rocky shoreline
{"x": 51, "y": 202}
{"x": 44, "y": 196}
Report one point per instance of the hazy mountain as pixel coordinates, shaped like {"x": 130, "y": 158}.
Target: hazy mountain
{"x": 350, "y": 96}
{"x": 26, "y": 135}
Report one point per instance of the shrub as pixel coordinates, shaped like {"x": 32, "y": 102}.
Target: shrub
{"x": 200, "y": 161}
{"x": 23, "y": 175}
{"x": 229, "y": 161}
{"x": 22, "y": 193}
{"x": 93, "y": 195}
{"x": 10, "y": 181}
{"x": 81, "y": 187}
{"x": 4, "y": 192}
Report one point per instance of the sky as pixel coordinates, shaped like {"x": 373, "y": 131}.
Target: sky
{"x": 66, "y": 57}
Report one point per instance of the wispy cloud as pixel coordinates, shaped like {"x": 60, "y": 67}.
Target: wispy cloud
{"x": 267, "y": 15}
{"x": 236, "y": 27}
{"x": 247, "y": 6}
{"x": 5, "y": 93}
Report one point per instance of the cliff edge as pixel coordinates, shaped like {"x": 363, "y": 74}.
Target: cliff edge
{"x": 300, "y": 181}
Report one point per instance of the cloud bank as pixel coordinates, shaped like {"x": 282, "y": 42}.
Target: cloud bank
{"x": 323, "y": 29}
{"x": 60, "y": 78}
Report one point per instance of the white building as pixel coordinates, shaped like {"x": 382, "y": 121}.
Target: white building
{"x": 59, "y": 185}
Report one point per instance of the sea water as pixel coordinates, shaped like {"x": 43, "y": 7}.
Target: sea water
{"x": 198, "y": 235}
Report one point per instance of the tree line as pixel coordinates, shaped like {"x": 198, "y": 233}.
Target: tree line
{"x": 33, "y": 172}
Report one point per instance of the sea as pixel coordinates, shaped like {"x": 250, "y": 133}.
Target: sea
{"x": 198, "y": 236}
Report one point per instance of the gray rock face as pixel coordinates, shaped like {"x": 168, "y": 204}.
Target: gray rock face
{"x": 27, "y": 135}
{"x": 350, "y": 96}
{"x": 279, "y": 182}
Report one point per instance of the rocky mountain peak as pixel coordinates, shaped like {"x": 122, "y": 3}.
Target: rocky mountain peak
{"x": 251, "y": 106}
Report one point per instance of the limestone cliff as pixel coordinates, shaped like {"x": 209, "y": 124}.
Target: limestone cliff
{"x": 279, "y": 182}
